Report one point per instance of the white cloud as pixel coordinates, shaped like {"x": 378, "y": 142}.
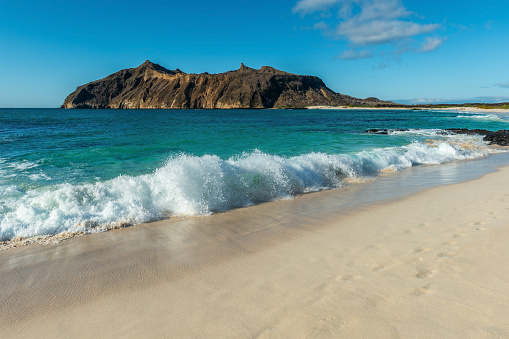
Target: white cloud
{"x": 506, "y": 85}
{"x": 382, "y": 10}
{"x": 373, "y": 32}
{"x": 321, "y": 26}
{"x": 353, "y": 54}
{"x": 309, "y": 6}
{"x": 369, "y": 22}
{"x": 430, "y": 44}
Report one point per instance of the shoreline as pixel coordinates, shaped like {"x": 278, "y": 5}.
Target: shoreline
{"x": 352, "y": 184}
{"x": 291, "y": 267}
{"x": 473, "y": 110}
{"x": 456, "y": 108}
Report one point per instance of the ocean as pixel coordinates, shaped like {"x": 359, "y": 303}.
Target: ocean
{"x": 85, "y": 171}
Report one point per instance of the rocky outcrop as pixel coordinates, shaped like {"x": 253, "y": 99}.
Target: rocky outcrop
{"x": 153, "y": 86}
{"x": 500, "y": 137}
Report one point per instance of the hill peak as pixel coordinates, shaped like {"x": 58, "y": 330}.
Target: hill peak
{"x": 156, "y": 67}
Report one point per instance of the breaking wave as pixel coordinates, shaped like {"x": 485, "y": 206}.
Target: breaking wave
{"x": 189, "y": 185}
{"x": 487, "y": 117}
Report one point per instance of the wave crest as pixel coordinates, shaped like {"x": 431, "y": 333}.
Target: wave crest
{"x": 189, "y": 185}
{"x": 487, "y": 117}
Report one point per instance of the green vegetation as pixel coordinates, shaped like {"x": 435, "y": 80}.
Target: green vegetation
{"x": 504, "y": 105}
{"x": 493, "y": 106}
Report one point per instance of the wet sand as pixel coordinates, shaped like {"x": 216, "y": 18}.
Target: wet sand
{"x": 433, "y": 264}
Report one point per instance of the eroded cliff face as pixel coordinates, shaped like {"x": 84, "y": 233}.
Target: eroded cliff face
{"x": 153, "y": 86}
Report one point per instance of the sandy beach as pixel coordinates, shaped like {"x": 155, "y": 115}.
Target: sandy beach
{"x": 474, "y": 110}
{"x": 459, "y": 108}
{"x": 431, "y": 265}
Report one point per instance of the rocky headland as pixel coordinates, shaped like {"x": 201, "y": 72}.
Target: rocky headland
{"x": 153, "y": 86}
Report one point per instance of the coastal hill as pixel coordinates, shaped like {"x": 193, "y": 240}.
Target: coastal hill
{"x": 153, "y": 86}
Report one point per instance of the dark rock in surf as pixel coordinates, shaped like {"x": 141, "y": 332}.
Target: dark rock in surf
{"x": 500, "y": 137}
{"x": 386, "y": 131}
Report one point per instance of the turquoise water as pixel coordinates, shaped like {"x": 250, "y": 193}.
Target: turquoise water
{"x": 89, "y": 170}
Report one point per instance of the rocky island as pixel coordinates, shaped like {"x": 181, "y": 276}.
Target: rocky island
{"x": 153, "y": 86}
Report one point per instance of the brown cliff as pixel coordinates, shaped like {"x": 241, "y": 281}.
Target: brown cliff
{"x": 153, "y": 86}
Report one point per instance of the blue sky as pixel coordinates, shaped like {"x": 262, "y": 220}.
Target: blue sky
{"x": 409, "y": 51}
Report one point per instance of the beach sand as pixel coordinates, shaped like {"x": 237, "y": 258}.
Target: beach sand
{"x": 474, "y": 110}
{"x": 431, "y": 265}
{"x": 459, "y": 109}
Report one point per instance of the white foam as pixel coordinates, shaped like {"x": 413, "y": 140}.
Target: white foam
{"x": 189, "y": 185}
{"x": 488, "y": 117}
{"x": 420, "y": 132}
{"x": 23, "y": 165}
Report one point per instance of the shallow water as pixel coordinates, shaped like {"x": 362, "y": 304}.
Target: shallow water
{"x": 90, "y": 170}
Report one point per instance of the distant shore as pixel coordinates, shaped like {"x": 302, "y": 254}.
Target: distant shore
{"x": 453, "y": 108}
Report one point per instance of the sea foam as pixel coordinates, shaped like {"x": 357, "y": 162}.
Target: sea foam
{"x": 189, "y": 185}
{"x": 487, "y": 117}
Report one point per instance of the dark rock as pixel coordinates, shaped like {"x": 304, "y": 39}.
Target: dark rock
{"x": 385, "y": 130}
{"x": 153, "y": 86}
{"x": 500, "y": 137}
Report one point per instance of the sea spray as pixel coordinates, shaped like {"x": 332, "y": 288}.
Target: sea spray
{"x": 188, "y": 185}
